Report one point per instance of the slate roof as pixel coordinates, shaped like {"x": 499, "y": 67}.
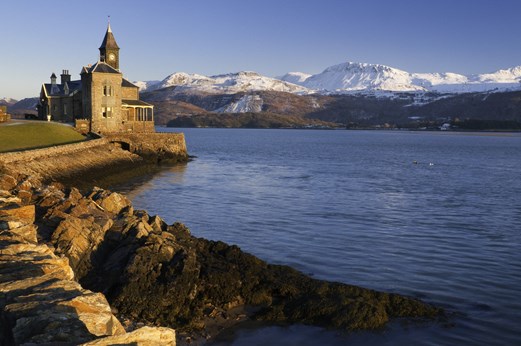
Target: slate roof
{"x": 100, "y": 66}
{"x": 135, "y": 103}
{"x": 127, "y": 84}
{"x": 109, "y": 42}
{"x": 58, "y": 89}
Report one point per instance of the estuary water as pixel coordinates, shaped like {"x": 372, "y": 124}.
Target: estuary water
{"x": 434, "y": 215}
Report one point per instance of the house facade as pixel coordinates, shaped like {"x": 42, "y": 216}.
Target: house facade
{"x": 102, "y": 97}
{"x": 3, "y": 114}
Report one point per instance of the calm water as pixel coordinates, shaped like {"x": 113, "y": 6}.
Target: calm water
{"x": 351, "y": 206}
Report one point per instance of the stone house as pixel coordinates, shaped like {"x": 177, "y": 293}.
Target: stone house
{"x": 102, "y": 97}
{"x": 3, "y": 114}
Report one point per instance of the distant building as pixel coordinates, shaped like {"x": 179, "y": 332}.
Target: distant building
{"x": 3, "y": 114}
{"x": 106, "y": 100}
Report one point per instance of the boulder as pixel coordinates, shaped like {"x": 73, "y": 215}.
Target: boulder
{"x": 24, "y": 214}
{"x": 77, "y": 237}
{"x": 27, "y": 233}
{"x": 145, "y": 336}
{"x": 110, "y": 201}
{"x": 7, "y": 182}
{"x": 40, "y": 303}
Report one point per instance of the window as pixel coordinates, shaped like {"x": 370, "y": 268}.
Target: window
{"x": 106, "y": 112}
{"x": 107, "y": 90}
{"x": 65, "y": 109}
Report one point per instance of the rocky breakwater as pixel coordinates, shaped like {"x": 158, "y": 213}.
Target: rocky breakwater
{"x": 40, "y": 300}
{"x": 160, "y": 275}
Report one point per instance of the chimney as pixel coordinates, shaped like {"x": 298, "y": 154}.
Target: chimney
{"x": 53, "y": 79}
{"x": 65, "y": 77}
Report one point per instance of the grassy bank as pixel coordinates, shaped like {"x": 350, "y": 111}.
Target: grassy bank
{"x": 31, "y": 135}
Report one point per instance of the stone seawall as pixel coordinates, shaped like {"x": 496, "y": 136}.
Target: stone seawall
{"x": 35, "y": 154}
{"x": 96, "y": 158}
{"x": 153, "y": 146}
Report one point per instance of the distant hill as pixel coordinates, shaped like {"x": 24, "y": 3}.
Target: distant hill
{"x": 24, "y": 106}
{"x": 7, "y": 101}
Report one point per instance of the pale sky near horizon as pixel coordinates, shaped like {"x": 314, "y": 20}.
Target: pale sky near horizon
{"x": 271, "y": 37}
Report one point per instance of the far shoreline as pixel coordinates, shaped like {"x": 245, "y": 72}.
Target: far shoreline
{"x": 505, "y": 133}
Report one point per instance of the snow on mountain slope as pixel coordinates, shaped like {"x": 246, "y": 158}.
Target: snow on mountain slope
{"x": 294, "y": 77}
{"x": 7, "y": 101}
{"x": 247, "y": 103}
{"x": 343, "y": 78}
{"x": 145, "y": 85}
{"x": 511, "y": 75}
{"x": 352, "y": 76}
{"x": 428, "y": 80}
{"x": 356, "y": 77}
{"x": 231, "y": 83}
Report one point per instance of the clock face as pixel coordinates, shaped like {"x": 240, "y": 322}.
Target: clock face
{"x": 112, "y": 57}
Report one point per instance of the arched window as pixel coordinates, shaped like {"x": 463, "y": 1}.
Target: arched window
{"x": 107, "y": 90}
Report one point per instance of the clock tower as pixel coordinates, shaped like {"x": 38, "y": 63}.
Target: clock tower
{"x": 109, "y": 50}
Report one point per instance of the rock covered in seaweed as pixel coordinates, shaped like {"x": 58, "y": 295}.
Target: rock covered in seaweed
{"x": 162, "y": 275}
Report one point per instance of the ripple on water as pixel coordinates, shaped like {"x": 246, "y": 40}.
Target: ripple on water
{"x": 351, "y": 207}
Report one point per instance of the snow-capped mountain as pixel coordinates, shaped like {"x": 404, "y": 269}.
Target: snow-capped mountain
{"x": 145, "y": 85}
{"x": 356, "y": 77}
{"x": 295, "y": 77}
{"x": 7, "y": 101}
{"x": 352, "y": 76}
{"x": 348, "y": 77}
{"x": 247, "y": 103}
{"x": 511, "y": 75}
{"x": 231, "y": 83}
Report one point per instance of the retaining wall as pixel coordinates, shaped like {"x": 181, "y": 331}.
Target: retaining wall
{"x": 96, "y": 159}
{"x": 153, "y": 145}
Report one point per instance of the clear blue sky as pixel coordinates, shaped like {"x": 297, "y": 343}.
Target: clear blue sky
{"x": 271, "y": 37}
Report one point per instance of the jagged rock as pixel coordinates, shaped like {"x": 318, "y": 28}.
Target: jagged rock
{"x": 77, "y": 237}
{"x": 112, "y": 202}
{"x": 125, "y": 253}
{"x": 7, "y": 198}
{"x": 145, "y": 336}
{"x": 23, "y": 214}
{"x": 50, "y": 196}
{"x": 40, "y": 302}
{"x": 7, "y": 182}
{"x": 157, "y": 223}
{"x": 26, "y": 233}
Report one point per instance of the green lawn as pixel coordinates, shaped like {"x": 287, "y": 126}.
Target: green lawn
{"x": 29, "y": 135}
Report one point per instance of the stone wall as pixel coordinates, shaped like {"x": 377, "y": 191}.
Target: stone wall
{"x": 158, "y": 146}
{"x": 97, "y": 158}
{"x": 139, "y": 126}
{"x": 130, "y": 93}
{"x": 37, "y": 154}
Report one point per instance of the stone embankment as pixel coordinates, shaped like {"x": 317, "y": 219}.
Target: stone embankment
{"x": 40, "y": 300}
{"x": 152, "y": 274}
{"x": 97, "y": 158}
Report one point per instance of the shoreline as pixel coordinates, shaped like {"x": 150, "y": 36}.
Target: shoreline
{"x": 401, "y": 130}
{"x": 232, "y": 287}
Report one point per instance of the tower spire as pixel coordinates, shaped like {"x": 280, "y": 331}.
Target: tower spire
{"x": 109, "y": 49}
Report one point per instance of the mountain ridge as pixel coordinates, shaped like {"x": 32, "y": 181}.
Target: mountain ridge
{"x": 347, "y": 77}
